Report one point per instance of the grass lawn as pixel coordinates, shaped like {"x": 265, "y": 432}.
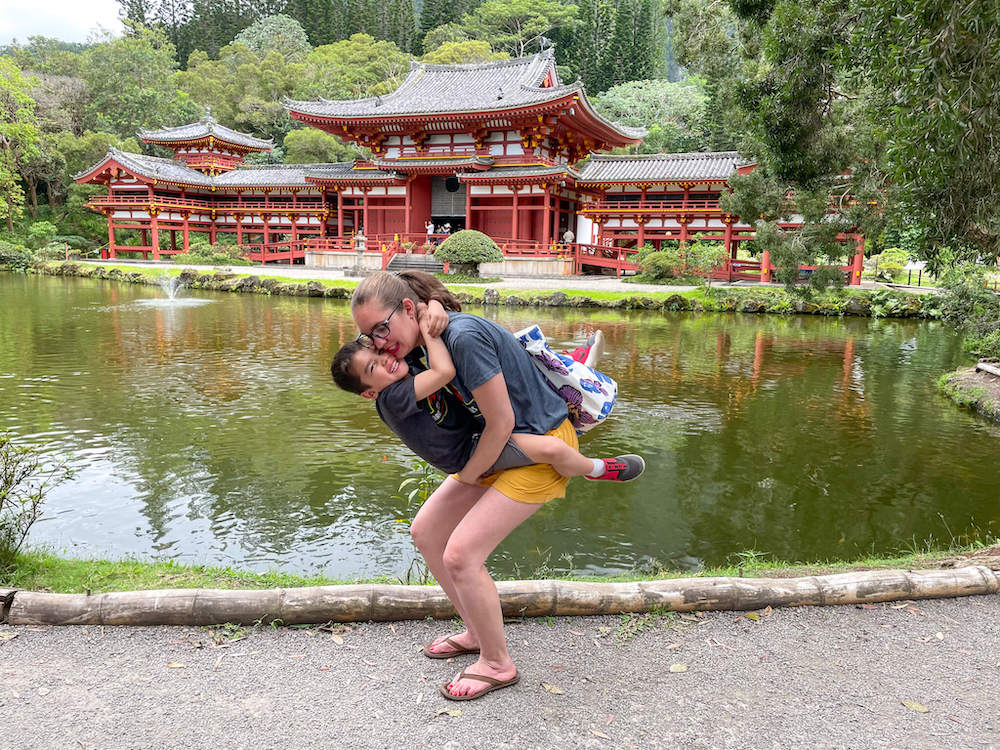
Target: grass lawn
{"x": 42, "y": 570}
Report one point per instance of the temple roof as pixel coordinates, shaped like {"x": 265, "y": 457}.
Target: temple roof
{"x": 244, "y": 176}
{"x": 205, "y": 128}
{"x": 157, "y": 168}
{"x": 437, "y": 89}
{"x": 518, "y": 171}
{"x": 691, "y": 167}
{"x": 278, "y": 175}
{"x": 443, "y": 162}
{"x": 345, "y": 170}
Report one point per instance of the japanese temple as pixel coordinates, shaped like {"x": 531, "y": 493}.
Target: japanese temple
{"x": 504, "y": 147}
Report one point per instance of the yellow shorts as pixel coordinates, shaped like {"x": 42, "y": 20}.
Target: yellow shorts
{"x": 537, "y": 483}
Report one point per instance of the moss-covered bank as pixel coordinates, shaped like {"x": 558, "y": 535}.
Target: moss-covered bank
{"x": 845, "y": 302}
{"x": 978, "y": 391}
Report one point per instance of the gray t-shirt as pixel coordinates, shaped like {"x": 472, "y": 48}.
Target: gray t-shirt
{"x": 481, "y": 349}
{"x": 438, "y": 428}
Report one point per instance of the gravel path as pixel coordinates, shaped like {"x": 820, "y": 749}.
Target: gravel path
{"x": 833, "y": 677}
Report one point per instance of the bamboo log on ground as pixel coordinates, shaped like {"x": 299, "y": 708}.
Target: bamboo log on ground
{"x": 991, "y": 368}
{"x": 384, "y": 602}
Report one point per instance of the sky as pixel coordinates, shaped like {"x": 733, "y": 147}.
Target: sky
{"x": 68, "y": 20}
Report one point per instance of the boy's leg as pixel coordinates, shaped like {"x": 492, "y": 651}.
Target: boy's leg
{"x": 548, "y": 449}
{"x": 591, "y": 352}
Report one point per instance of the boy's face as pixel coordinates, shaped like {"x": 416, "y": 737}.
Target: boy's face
{"x": 377, "y": 370}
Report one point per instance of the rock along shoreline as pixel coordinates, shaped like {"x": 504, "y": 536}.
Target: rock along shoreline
{"x": 866, "y": 303}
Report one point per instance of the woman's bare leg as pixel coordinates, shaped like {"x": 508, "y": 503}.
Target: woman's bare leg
{"x": 431, "y": 529}
{"x": 483, "y": 527}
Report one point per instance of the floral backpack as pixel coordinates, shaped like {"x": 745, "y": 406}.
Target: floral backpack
{"x": 589, "y": 394}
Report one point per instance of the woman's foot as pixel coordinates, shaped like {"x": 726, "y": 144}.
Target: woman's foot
{"x": 468, "y": 687}
{"x": 448, "y": 646}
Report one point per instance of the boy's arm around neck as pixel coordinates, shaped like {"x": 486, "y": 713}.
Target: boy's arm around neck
{"x": 440, "y": 368}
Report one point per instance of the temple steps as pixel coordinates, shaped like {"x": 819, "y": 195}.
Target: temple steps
{"x": 419, "y": 262}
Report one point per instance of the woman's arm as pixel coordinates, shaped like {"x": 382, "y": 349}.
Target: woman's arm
{"x": 441, "y": 369}
{"x": 494, "y": 403}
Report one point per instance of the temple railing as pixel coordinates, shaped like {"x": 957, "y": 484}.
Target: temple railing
{"x": 306, "y": 204}
{"x": 633, "y": 205}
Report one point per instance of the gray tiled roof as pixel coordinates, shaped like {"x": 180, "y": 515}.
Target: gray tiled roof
{"x": 159, "y": 169}
{"x": 712, "y": 165}
{"x": 345, "y": 170}
{"x": 436, "y": 89}
{"x": 515, "y": 171}
{"x": 290, "y": 175}
{"x": 450, "y": 161}
{"x": 207, "y": 127}
{"x": 270, "y": 175}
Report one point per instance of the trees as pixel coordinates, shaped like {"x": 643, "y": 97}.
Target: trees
{"x": 469, "y": 51}
{"x": 313, "y": 146}
{"x": 278, "y": 33}
{"x": 513, "y": 25}
{"x": 18, "y": 137}
{"x": 671, "y": 112}
{"x": 355, "y": 67}
{"x": 629, "y": 54}
{"x": 929, "y": 70}
{"x": 110, "y": 70}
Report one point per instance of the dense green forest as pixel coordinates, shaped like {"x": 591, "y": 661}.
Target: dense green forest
{"x": 890, "y": 107}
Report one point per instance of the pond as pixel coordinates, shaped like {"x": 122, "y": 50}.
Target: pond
{"x": 208, "y": 431}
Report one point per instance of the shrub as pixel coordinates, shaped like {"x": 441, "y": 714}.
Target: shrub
{"x": 468, "y": 246}
{"x": 24, "y": 481}
{"x": 662, "y": 264}
{"x": 40, "y": 233}
{"x": 702, "y": 257}
{"x": 968, "y": 304}
{"x": 890, "y": 263}
{"x": 15, "y": 257}
{"x": 205, "y": 254}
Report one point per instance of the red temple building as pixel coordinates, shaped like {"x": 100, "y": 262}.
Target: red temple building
{"x": 502, "y": 147}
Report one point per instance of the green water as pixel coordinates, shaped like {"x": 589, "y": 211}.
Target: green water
{"x": 207, "y": 431}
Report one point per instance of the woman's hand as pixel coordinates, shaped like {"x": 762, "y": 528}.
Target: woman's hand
{"x": 464, "y": 477}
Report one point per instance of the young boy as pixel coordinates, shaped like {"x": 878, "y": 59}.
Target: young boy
{"x": 437, "y": 427}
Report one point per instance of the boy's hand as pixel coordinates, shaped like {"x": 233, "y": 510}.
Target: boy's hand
{"x": 436, "y": 316}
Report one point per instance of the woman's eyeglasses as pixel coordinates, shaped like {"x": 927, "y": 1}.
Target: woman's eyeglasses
{"x": 379, "y": 330}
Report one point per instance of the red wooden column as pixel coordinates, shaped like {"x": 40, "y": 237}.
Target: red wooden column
{"x": 239, "y": 228}
{"x": 364, "y": 227}
{"x": 155, "y": 232}
{"x": 730, "y": 247}
{"x": 858, "y": 264}
{"x": 265, "y": 217}
{"x": 406, "y": 205}
{"x": 514, "y": 218}
{"x": 111, "y": 235}
{"x": 641, "y": 238}
{"x": 765, "y": 267}
{"x": 186, "y": 234}
{"x": 683, "y": 221}
{"x": 340, "y": 211}
{"x": 557, "y": 210}
{"x": 468, "y": 207}
{"x": 547, "y": 217}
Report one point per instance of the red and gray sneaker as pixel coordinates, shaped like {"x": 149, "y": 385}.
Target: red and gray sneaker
{"x": 591, "y": 353}
{"x": 622, "y": 468}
